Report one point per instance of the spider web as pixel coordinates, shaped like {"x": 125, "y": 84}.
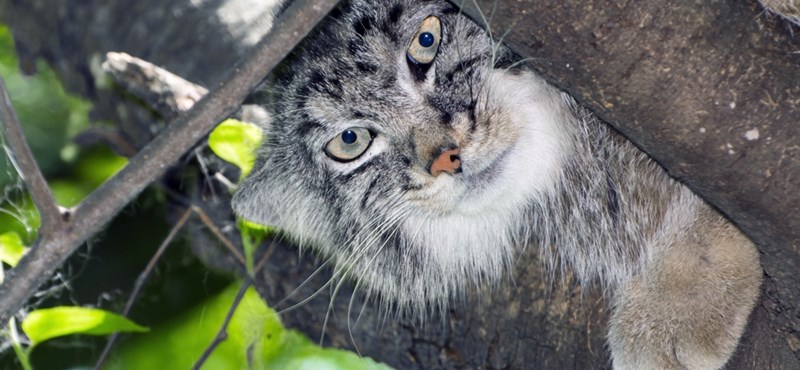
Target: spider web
{"x": 17, "y": 213}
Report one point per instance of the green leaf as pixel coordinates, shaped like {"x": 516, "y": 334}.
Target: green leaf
{"x": 97, "y": 165}
{"x": 68, "y": 193}
{"x": 236, "y": 142}
{"x": 11, "y": 248}
{"x": 48, "y": 323}
{"x": 256, "y": 340}
{"x": 255, "y": 331}
{"x": 7, "y": 55}
{"x": 254, "y": 228}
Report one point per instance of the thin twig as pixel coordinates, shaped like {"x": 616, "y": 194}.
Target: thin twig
{"x": 110, "y": 137}
{"x": 201, "y": 212}
{"x": 20, "y": 154}
{"x": 222, "y": 334}
{"x": 53, "y": 248}
{"x": 218, "y": 233}
{"x": 141, "y": 280}
{"x": 265, "y": 257}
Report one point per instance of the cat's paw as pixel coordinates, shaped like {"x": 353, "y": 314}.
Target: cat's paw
{"x": 690, "y": 306}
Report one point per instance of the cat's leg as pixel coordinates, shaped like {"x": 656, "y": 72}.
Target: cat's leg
{"x": 690, "y": 306}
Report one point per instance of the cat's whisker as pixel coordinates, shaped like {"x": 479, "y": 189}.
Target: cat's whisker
{"x": 349, "y": 313}
{"x": 334, "y": 294}
{"x": 360, "y": 251}
{"x": 366, "y": 298}
{"x": 386, "y": 223}
{"x": 305, "y": 300}
{"x": 303, "y": 284}
{"x": 389, "y": 223}
{"x": 337, "y": 274}
{"x": 412, "y": 242}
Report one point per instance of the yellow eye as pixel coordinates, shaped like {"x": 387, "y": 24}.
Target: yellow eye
{"x": 426, "y": 41}
{"x": 349, "y": 145}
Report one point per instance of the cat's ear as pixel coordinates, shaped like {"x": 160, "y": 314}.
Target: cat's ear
{"x": 253, "y": 201}
{"x": 257, "y": 115}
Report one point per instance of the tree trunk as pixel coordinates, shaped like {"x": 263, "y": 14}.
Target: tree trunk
{"x": 710, "y": 89}
{"x": 687, "y": 81}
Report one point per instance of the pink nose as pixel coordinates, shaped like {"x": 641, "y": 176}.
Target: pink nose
{"x": 449, "y": 161}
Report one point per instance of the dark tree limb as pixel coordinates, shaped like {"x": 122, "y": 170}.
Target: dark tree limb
{"x": 51, "y": 249}
{"x": 21, "y": 156}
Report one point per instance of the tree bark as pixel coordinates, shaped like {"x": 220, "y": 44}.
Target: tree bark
{"x": 658, "y": 71}
{"x": 710, "y": 89}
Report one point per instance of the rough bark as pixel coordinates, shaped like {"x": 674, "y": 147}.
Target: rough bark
{"x": 710, "y": 89}
{"x": 614, "y": 63}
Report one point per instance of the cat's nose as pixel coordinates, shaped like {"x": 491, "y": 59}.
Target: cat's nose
{"x": 449, "y": 161}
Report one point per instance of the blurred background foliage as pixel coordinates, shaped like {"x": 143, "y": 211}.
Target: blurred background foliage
{"x": 102, "y": 273}
{"x": 50, "y": 118}
{"x": 184, "y": 301}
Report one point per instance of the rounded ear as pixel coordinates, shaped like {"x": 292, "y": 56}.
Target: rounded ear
{"x": 257, "y": 115}
{"x": 253, "y": 200}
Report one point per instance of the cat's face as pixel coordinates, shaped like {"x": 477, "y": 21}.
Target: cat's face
{"x": 352, "y": 163}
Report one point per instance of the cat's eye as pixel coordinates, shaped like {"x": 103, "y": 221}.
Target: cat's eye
{"x": 425, "y": 43}
{"x": 349, "y": 144}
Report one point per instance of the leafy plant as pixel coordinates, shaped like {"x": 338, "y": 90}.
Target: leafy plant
{"x": 256, "y": 340}
{"x": 48, "y": 131}
{"x": 11, "y": 248}
{"x": 256, "y": 337}
{"x": 236, "y": 142}
{"x": 72, "y": 173}
{"x": 49, "y": 115}
{"x": 45, "y": 324}
{"x": 48, "y": 323}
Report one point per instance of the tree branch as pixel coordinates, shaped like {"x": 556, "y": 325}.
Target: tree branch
{"x": 27, "y": 168}
{"x": 96, "y": 210}
{"x": 222, "y": 334}
{"x": 162, "y": 90}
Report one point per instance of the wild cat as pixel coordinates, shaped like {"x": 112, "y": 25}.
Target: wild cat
{"x": 420, "y": 157}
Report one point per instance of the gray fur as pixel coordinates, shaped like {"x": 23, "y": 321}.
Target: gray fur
{"x": 537, "y": 169}
{"x": 788, "y": 9}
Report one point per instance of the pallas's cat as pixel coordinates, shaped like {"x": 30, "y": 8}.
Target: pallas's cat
{"x": 417, "y": 155}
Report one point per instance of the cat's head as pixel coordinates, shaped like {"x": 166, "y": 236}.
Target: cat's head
{"x": 404, "y": 149}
